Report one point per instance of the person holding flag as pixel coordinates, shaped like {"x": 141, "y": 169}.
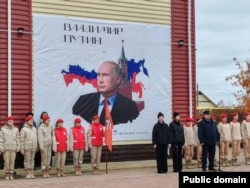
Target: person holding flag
{"x": 95, "y": 143}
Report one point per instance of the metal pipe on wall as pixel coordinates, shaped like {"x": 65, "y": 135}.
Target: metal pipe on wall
{"x": 9, "y": 59}
{"x": 190, "y": 60}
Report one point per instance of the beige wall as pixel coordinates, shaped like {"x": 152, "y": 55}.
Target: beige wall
{"x": 144, "y": 11}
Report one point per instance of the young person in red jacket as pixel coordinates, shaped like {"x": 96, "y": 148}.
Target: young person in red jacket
{"x": 95, "y": 141}
{"x": 78, "y": 143}
{"x": 60, "y": 145}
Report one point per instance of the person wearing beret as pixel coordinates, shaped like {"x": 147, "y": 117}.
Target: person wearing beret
{"x": 189, "y": 142}
{"x": 245, "y": 133}
{"x": 198, "y": 146}
{"x": 9, "y": 146}
{"x": 44, "y": 113}
{"x": 209, "y": 137}
{"x": 60, "y": 145}
{"x": 28, "y": 146}
{"x": 177, "y": 140}
{"x": 161, "y": 143}
{"x": 45, "y": 146}
{"x": 30, "y": 114}
{"x": 77, "y": 144}
{"x": 236, "y": 138}
{"x": 95, "y": 142}
{"x": 225, "y": 139}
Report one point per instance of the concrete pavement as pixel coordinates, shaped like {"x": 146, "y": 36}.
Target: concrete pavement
{"x": 130, "y": 174}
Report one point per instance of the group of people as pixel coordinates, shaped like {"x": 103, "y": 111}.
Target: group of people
{"x": 202, "y": 134}
{"x": 46, "y": 139}
{"x": 166, "y": 136}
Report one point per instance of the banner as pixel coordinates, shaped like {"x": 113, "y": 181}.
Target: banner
{"x": 68, "y": 72}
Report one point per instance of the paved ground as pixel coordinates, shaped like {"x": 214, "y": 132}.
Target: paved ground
{"x": 120, "y": 174}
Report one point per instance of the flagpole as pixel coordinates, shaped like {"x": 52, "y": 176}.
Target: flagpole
{"x": 106, "y": 159}
{"x": 108, "y": 131}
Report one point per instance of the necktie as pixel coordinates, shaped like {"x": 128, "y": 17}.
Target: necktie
{"x": 102, "y": 116}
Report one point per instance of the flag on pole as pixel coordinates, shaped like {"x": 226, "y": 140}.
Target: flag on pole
{"x": 108, "y": 126}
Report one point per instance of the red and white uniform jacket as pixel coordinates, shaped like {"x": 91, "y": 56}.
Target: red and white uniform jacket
{"x": 95, "y": 135}
{"x": 60, "y": 140}
{"x": 78, "y": 138}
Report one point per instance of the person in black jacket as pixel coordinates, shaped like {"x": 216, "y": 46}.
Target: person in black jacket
{"x": 161, "y": 142}
{"x": 177, "y": 141}
{"x": 209, "y": 137}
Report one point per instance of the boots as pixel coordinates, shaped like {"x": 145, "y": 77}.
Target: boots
{"x": 79, "y": 171}
{"x": 216, "y": 163}
{"x": 58, "y": 172}
{"x": 234, "y": 162}
{"x": 76, "y": 171}
{"x": 28, "y": 174}
{"x": 7, "y": 176}
{"x": 226, "y": 162}
{"x": 11, "y": 176}
{"x": 32, "y": 173}
{"x": 94, "y": 170}
{"x": 247, "y": 161}
{"x": 188, "y": 163}
{"x": 44, "y": 174}
{"x": 223, "y": 162}
{"x": 48, "y": 173}
{"x": 199, "y": 164}
{"x": 62, "y": 173}
{"x": 97, "y": 170}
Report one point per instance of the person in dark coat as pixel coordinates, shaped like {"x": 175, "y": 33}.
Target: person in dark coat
{"x": 177, "y": 141}
{"x": 161, "y": 142}
{"x": 209, "y": 137}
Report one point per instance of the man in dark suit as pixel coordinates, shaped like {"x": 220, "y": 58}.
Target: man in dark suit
{"x": 209, "y": 137}
{"x": 122, "y": 109}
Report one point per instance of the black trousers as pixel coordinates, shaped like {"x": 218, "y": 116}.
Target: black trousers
{"x": 177, "y": 157}
{"x": 161, "y": 158}
{"x": 208, "y": 151}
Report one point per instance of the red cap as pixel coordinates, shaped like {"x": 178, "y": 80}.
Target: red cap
{"x": 247, "y": 114}
{"x": 95, "y": 117}
{"x": 223, "y": 116}
{"x": 235, "y": 114}
{"x": 10, "y": 118}
{"x": 77, "y": 120}
{"x": 28, "y": 118}
{"x": 189, "y": 119}
{"x": 45, "y": 118}
{"x": 59, "y": 121}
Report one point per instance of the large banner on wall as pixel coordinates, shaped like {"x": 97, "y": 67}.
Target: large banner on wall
{"x": 79, "y": 62}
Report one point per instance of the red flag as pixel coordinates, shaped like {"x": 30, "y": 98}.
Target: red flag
{"x": 108, "y": 126}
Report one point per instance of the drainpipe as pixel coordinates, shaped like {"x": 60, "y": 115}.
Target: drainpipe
{"x": 9, "y": 58}
{"x": 190, "y": 60}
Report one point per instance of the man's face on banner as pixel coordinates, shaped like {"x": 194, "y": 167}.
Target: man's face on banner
{"x": 107, "y": 79}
